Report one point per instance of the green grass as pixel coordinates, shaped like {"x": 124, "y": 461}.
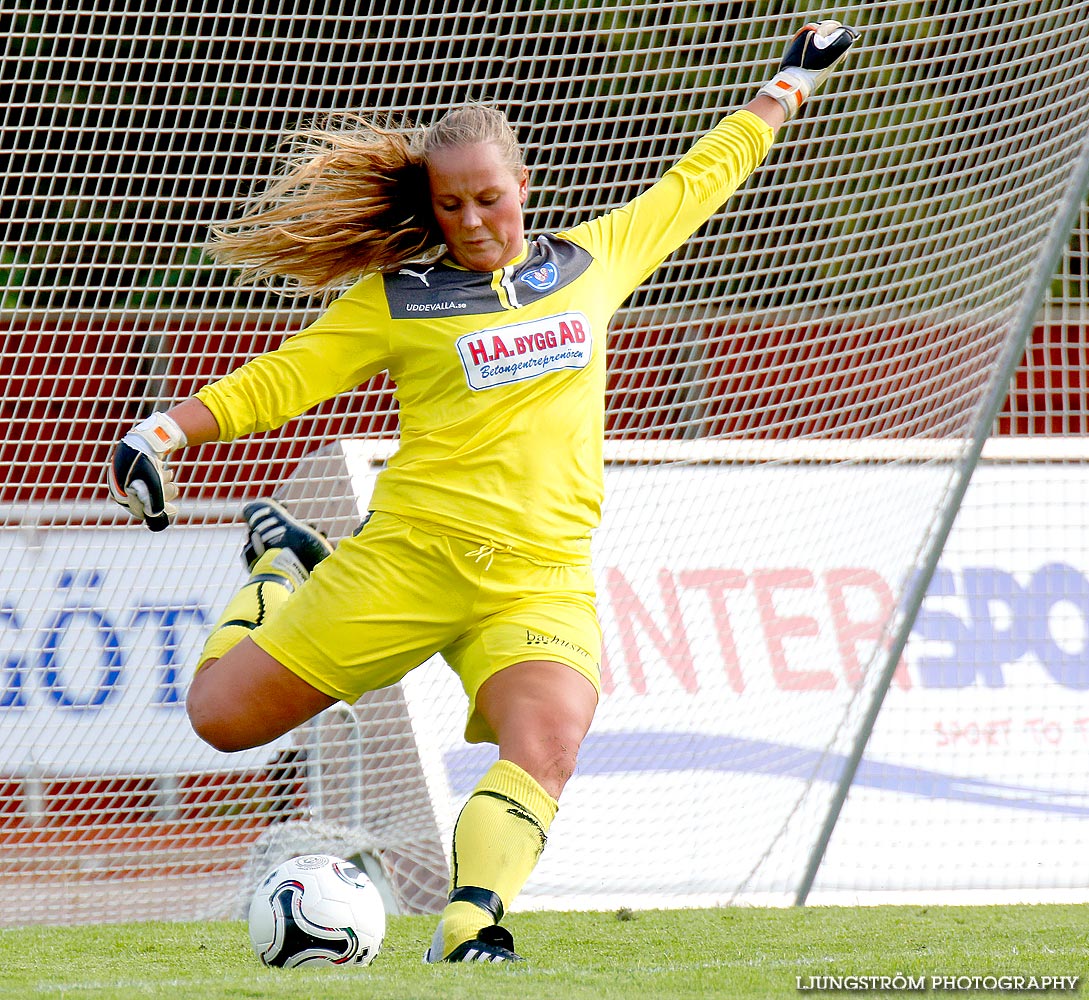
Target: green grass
{"x": 730, "y": 952}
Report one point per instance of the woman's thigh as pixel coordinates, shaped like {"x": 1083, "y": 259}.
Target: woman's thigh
{"x": 539, "y": 711}
{"x": 246, "y": 699}
{"x": 384, "y": 602}
{"x": 528, "y": 613}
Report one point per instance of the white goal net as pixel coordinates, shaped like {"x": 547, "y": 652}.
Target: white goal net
{"x": 796, "y": 400}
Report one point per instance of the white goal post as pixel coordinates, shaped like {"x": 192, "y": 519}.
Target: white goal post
{"x": 844, "y": 585}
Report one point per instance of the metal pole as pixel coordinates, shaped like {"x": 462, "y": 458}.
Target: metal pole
{"x": 1006, "y": 365}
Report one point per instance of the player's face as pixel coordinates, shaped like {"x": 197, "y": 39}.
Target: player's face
{"x": 478, "y": 201}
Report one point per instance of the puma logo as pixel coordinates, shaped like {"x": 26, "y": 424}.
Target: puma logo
{"x": 422, "y": 275}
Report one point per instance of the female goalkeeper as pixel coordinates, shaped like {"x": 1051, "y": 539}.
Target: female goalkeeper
{"x": 478, "y": 545}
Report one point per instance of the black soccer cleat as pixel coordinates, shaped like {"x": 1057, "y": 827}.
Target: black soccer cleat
{"x": 491, "y": 944}
{"x": 270, "y": 526}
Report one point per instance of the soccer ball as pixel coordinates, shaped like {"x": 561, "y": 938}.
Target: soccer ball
{"x": 316, "y": 909}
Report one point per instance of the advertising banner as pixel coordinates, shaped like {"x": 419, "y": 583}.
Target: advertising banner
{"x": 99, "y": 632}
{"x": 739, "y": 656}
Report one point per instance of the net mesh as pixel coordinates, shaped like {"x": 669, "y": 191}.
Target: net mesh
{"x": 788, "y": 398}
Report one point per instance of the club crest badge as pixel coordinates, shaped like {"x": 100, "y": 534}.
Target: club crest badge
{"x": 541, "y": 278}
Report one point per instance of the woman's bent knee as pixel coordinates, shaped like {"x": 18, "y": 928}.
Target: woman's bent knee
{"x": 246, "y": 698}
{"x": 208, "y": 718}
{"x": 539, "y": 712}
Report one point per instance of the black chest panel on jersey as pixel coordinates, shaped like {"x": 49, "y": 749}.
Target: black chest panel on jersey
{"x": 439, "y": 290}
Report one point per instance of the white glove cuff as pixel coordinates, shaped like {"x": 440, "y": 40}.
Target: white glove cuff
{"x": 162, "y": 433}
{"x": 790, "y": 87}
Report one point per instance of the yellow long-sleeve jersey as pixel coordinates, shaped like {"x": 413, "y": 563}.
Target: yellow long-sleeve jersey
{"x": 500, "y": 376}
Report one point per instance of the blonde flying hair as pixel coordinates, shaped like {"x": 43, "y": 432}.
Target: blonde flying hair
{"x": 351, "y": 198}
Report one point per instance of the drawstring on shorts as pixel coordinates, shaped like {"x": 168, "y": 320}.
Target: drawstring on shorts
{"x": 482, "y": 552}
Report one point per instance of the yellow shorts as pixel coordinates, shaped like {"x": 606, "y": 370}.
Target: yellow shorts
{"x": 397, "y": 592}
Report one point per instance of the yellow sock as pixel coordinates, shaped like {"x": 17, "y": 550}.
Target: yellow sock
{"x": 498, "y": 838}
{"x": 273, "y": 579}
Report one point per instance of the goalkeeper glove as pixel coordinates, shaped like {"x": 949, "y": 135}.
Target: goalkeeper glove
{"x": 138, "y": 477}
{"x": 808, "y": 60}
